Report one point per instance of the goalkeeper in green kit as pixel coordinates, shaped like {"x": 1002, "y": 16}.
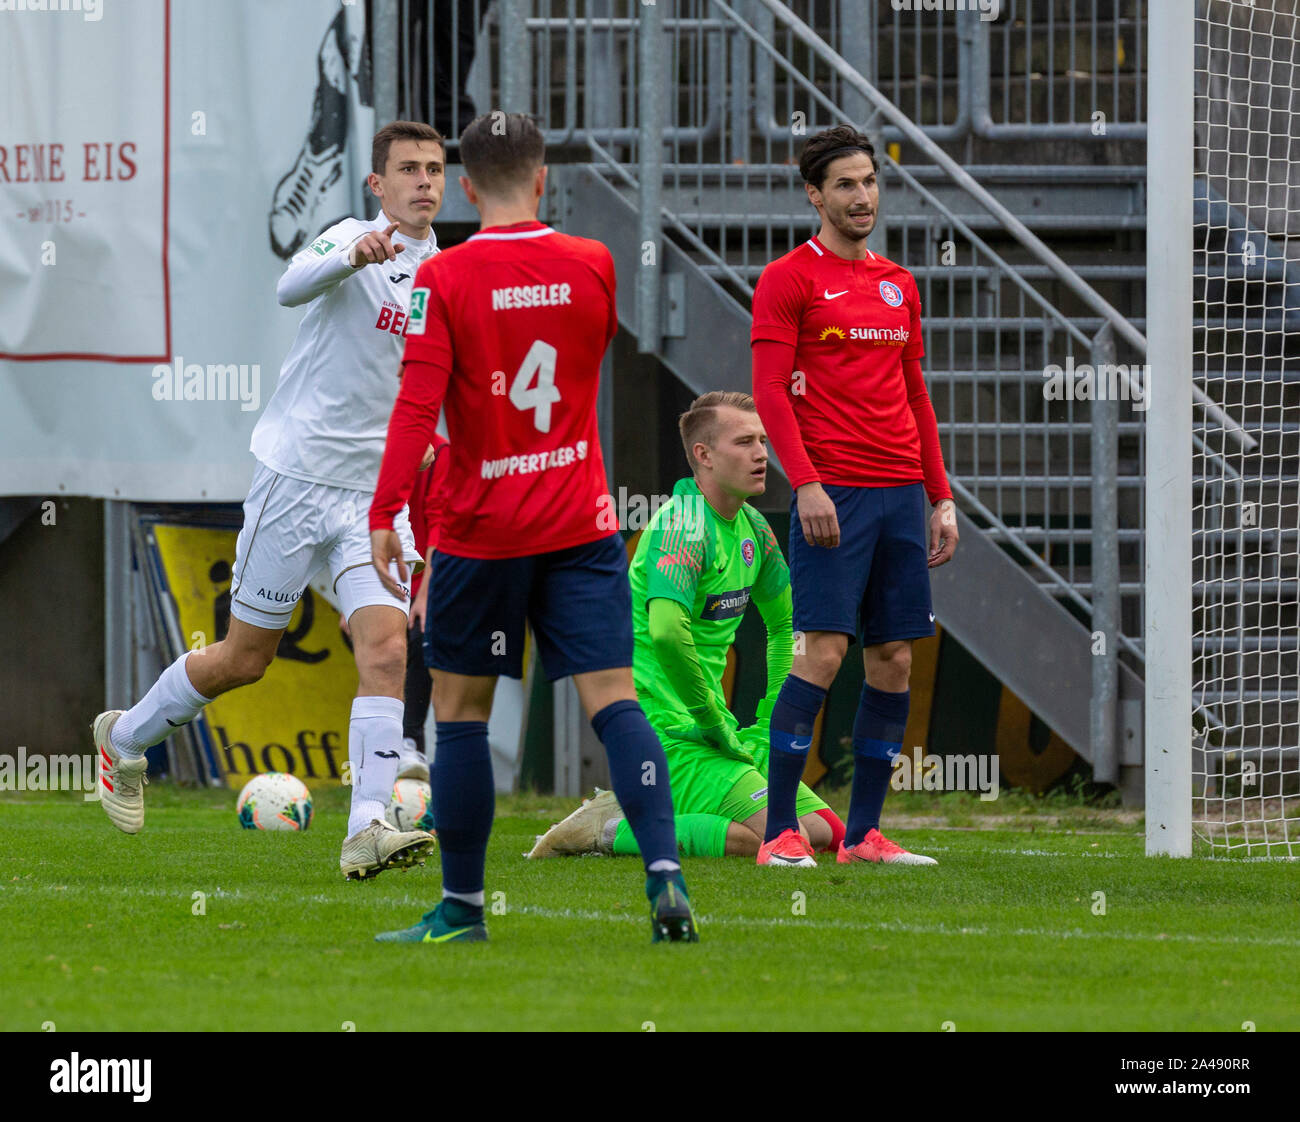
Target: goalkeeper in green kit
{"x": 704, "y": 556}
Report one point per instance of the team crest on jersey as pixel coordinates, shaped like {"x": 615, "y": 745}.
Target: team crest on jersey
{"x": 891, "y": 294}
{"x": 747, "y": 550}
{"x": 322, "y": 246}
{"x": 419, "y": 305}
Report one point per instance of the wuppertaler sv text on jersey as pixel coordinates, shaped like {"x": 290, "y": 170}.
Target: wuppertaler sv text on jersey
{"x": 507, "y": 332}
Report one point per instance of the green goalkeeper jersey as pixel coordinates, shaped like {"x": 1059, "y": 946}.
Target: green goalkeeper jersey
{"x": 711, "y": 566}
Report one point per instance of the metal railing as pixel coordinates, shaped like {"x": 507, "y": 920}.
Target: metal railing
{"x": 703, "y": 118}
{"x": 1041, "y": 69}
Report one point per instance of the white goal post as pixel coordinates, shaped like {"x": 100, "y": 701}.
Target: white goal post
{"x": 1167, "y": 628}
{"x": 1222, "y": 565}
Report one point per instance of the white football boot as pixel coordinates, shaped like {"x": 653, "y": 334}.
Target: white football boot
{"x": 381, "y": 846}
{"x": 583, "y": 831}
{"x": 121, "y": 781}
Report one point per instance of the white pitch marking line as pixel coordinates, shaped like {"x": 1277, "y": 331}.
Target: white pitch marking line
{"x": 894, "y": 927}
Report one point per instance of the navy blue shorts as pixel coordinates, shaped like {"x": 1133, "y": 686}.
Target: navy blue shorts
{"x": 577, "y": 600}
{"x": 875, "y": 585}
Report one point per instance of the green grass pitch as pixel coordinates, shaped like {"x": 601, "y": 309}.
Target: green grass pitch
{"x": 100, "y": 932}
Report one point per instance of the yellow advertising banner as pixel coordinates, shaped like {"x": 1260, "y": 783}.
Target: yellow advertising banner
{"x": 296, "y": 718}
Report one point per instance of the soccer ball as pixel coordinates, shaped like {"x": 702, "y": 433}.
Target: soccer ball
{"x": 410, "y": 807}
{"x": 274, "y": 801}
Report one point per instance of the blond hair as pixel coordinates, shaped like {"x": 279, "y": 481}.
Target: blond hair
{"x": 699, "y": 424}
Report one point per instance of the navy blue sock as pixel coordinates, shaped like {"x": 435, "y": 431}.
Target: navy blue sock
{"x": 877, "y": 740}
{"x": 464, "y": 801}
{"x": 790, "y": 737}
{"x": 638, "y": 771}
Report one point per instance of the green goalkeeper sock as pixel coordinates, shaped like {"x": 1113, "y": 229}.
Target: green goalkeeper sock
{"x": 698, "y": 835}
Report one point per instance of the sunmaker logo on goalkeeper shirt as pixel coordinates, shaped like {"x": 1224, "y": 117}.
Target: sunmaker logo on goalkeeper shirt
{"x": 725, "y": 605}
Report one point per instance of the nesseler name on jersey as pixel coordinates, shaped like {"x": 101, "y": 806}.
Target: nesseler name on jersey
{"x": 531, "y": 296}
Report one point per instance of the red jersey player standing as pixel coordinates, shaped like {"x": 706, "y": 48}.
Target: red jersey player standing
{"x": 837, "y": 378}
{"x": 508, "y": 332}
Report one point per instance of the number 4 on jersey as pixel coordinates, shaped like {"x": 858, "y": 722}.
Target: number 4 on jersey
{"x": 539, "y": 361}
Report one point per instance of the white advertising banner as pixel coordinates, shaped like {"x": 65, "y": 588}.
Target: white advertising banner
{"x": 160, "y": 160}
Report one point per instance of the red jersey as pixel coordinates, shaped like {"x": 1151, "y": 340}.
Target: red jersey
{"x": 857, "y": 411}
{"x": 507, "y": 330}
{"x": 428, "y": 497}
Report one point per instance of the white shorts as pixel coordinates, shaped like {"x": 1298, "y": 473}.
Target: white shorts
{"x": 291, "y": 529}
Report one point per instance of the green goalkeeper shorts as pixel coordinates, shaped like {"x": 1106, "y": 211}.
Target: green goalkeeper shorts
{"x": 705, "y": 782}
{"x": 748, "y": 795}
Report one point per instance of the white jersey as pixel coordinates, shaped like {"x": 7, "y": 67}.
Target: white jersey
{"x": 328, "y": 418}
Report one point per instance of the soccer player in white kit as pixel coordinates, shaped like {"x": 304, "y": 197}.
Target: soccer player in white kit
{"x": 318, "y": 446}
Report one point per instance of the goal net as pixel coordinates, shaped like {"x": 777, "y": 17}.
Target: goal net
{"x": 1245, "y": 666}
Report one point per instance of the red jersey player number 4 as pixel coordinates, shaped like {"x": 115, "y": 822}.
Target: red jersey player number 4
{"x": 507, "y": 332}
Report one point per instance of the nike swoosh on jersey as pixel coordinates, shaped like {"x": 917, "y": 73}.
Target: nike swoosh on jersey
{"x": 829, "y": 295}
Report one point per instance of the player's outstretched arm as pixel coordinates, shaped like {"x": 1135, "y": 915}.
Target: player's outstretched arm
{"x": 320, "y": 267}
{"x": 374, "y": 248}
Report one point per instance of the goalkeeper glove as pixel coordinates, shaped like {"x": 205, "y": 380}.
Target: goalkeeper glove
{"x": 716, "y": 736}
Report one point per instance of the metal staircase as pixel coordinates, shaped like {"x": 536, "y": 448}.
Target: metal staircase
{"x": 998, "y": 310}
{"x": 674, "y": 130}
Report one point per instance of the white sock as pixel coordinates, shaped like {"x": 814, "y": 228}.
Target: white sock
{"x": 663, "y": 865}
{"x": 473, "y": 898}
{"x": 173, "y": 701}
{"x": 608, "y": 831}
{"x": 374, "y": 750}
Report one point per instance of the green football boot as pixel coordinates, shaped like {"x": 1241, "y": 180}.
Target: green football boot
{"x": 671, "y": 917}
{"x": 434, "y": 928}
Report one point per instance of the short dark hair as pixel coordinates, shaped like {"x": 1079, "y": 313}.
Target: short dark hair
{"x": 829, "y": 145}
{"x": 699, "y": 424}
{"x": 401, "y": 130}
{"x": 501, "y": 151}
